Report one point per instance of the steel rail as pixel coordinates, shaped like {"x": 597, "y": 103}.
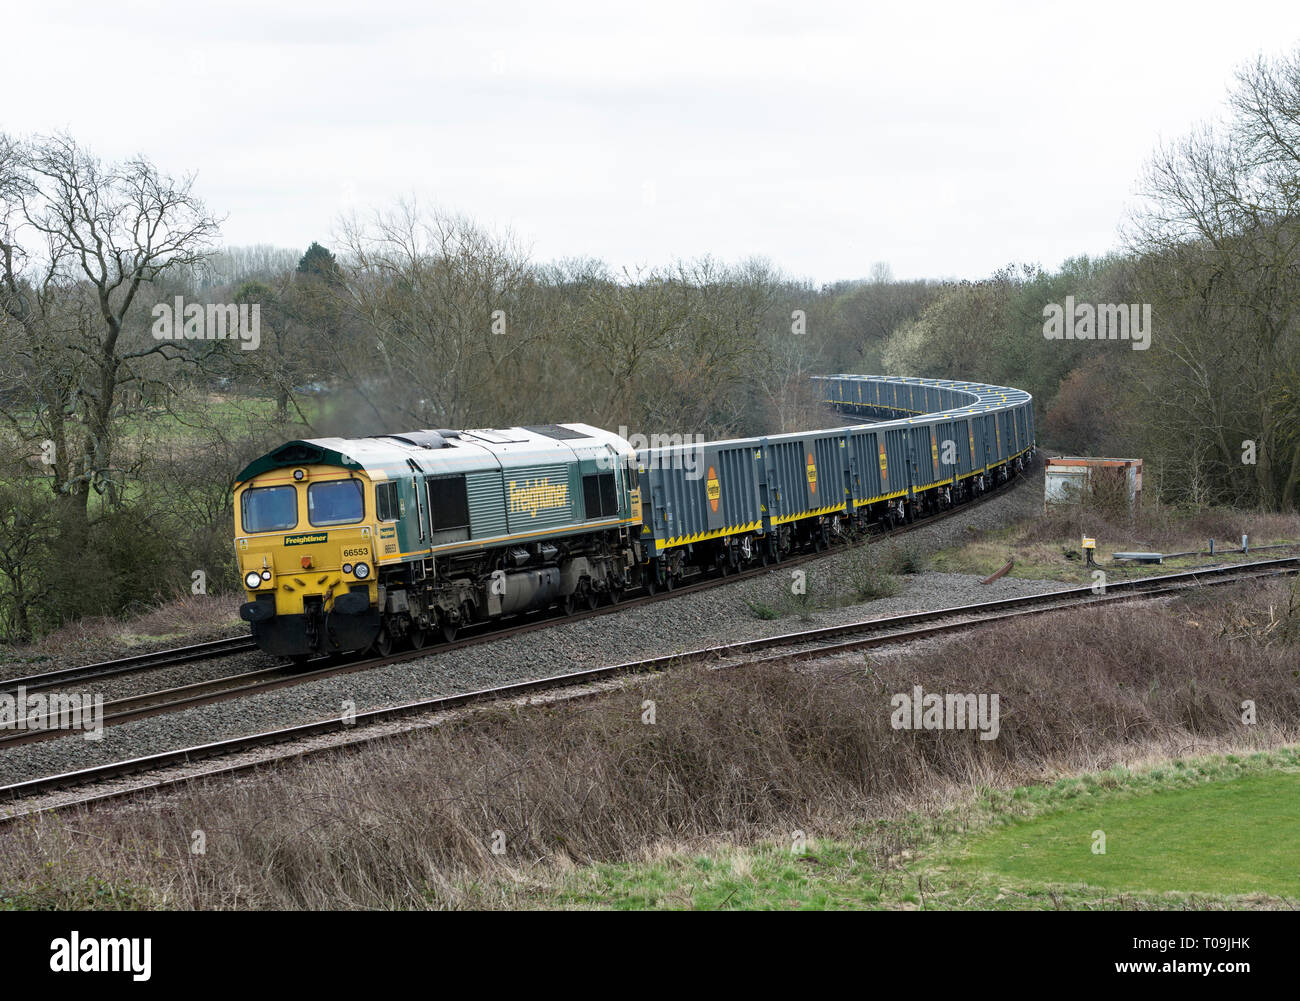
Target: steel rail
{"x": 884, "y": 631}
{"x": 33, "y": 683}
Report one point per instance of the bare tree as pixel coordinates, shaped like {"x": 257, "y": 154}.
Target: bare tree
{"x": 1219, "y": 246}
{"x": 78, "y": 241}
{"x": 438, "y": 299}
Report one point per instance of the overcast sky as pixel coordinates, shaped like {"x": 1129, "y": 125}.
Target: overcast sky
{"x": 945, "y": 139}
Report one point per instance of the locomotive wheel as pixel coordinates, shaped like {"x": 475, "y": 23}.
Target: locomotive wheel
{"x": 651, "y": 585}
{"x": 724, "y": 567}
{"x": 568, "y": 604}
{"x": 418, "y": 638}
{"x": 383, "y": 644}
{"x": 670, "y": 581}
{"x": 448, "y": 629}
{"x": 593, "y": 598}
{"x": 615, "y": 594}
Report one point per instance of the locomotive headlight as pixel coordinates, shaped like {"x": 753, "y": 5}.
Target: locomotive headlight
{"x": 347, "y": 567}
{"x": 266, "y": 575}
{"x": 362, "y": 570}
{"x": 252, "y": 580}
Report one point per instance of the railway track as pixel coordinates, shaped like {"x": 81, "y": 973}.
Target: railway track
{"x": 51, "y": 680}
{"x": 802, "y": 645}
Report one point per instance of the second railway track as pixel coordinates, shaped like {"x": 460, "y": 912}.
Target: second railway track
{"x": 803, "y": 645}
{"x": 156, "y": 660}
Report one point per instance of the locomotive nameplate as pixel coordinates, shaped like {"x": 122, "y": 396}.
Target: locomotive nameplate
{"x": 535, "y": 495}
{"x": 305, "y": 540}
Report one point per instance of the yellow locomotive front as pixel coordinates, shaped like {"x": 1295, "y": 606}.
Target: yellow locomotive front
{"x": 305, "y": 547}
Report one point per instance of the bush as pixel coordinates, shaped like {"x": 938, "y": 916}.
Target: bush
{"x": 867, "y": 581}
{"x": 906, "y": 558}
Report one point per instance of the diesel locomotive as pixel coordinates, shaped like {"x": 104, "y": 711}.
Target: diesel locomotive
{"x": 348, "y": 544}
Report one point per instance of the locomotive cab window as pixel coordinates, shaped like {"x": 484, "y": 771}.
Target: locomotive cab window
{"x": 338, "y": 502}
{"x": 600, "y": 495}
{"x": 448, "y": 503}
{"x": 269, "y": 509}
{"x": 386, "y": 506}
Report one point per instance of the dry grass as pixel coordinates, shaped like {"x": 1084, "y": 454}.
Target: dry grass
{"x": 1161, "y": 528}
{"x": 1048, "y": 546}
{"x": 172, "y": 623}
{"x": 733, "y": 755}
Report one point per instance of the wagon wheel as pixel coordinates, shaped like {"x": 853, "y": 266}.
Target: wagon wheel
{"x": 670, "y": 580}
{"x": 724, "y": 567}
{"x": 651, "y": 584}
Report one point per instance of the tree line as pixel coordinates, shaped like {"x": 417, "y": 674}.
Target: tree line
{"x": 120, "y": 446}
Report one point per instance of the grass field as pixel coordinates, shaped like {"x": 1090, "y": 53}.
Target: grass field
{"x": 1221, "y": 832}
{"x": 1236, "y": 837}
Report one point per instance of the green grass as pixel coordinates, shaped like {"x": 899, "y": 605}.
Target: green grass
{"x": 1235, "y": 837}
{"x": 1217, "y": 832}
{"x": 831, "y": 875}
{"x": 59, "y": 893}
{"x": 762, "y": 878}
{"x": 190, "y": 421}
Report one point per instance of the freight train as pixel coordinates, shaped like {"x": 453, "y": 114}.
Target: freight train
{"x": 351, "y": 544}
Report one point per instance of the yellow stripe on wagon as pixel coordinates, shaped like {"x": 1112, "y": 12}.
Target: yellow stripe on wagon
{"x": 807, "y": 514}
{"x": 682, "y": 540}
